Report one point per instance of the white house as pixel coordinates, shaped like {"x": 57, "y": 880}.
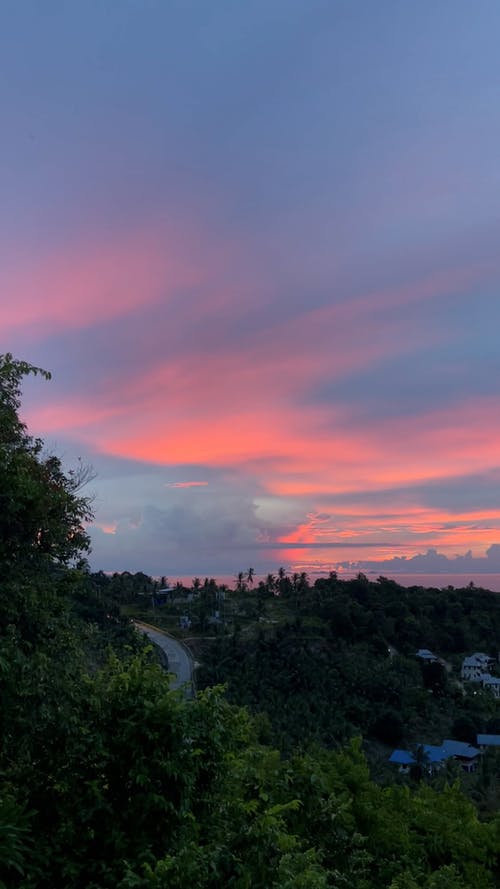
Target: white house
{"x": 475, "y": 666}
{"x": 492, "y": 684}
{"x": 485, "y": 658}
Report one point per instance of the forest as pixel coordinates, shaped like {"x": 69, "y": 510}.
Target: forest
{"x": 331, "y": 660}
{"x": 110, "y": 779}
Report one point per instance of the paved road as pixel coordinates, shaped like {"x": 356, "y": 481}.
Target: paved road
{"x": 179, "y": 661}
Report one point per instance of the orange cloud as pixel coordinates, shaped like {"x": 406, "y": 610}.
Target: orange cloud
{"x": 474, "y": 528}
{"x": 106, "y": 528}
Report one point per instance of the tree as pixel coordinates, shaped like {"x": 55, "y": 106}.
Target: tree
{"x": 241, "y": 586}
{"x": 435, "y": 678}
{"x": 41, "y": 518}
{"x": 270, "y": 583}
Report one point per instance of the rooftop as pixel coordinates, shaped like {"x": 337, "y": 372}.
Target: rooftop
{"x": 460, "y": 748}
{"x": 488, "y": 740}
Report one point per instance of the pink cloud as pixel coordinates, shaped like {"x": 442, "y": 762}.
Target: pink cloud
{"x": 186, "y": 484}
{"x": 251, "y": 403}
{"x": 93, "y": 281}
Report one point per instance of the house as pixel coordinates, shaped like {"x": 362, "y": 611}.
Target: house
{"x": 463, "y": 753}
{"x": 492, "y": 684}
{"x": 426, "y": 655}
{"x": 403, "y": 758}
{"x": 161, "y": 597}
{"x": 474, "y": 666}
{"x": 485, "y": 658}
{"x": 484, "y": 741}
{"x": 434, "y": 756}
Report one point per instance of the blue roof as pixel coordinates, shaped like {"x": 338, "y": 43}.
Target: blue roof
{"x": 435, "y": 754}
{"x": 489, "y": 740}
{"x": 449, "y": 748}
{"x": 403, "y": 757}
{"x": 460, "y": 748}
{"x": 431, "y": 753}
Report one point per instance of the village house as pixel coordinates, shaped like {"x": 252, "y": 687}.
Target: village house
{"x": 485, "y": 658}
{"x": 425, "y": 655}
{"x": 474, "y": 666}
{"x": 485, "y": 741}
{"x": 491, "y": 684}
{"x": 162, "y": 597}
{"x": 433, "y": 757}
{"x": 465, "y": 754}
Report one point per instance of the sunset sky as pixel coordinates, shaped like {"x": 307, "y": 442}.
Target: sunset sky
{"x": 258, "y": 246}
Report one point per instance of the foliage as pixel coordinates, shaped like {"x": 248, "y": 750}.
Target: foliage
{"x": 41, "y": 519}
{"x": 342, "y": 661}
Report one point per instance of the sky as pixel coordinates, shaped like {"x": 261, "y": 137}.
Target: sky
{"x": 256, "y": 244}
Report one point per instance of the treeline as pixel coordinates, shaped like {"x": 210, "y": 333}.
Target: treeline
{"x": 111, "y": 781}
{"x": 341, "y": 661}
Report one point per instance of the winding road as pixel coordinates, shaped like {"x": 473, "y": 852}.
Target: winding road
{"x": 180, "y": 662}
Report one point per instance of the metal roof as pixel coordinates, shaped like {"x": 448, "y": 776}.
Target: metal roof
{"x": 432, "y": 754}
{"x": 460, "y": 748}
{"x": 402, "y": 757}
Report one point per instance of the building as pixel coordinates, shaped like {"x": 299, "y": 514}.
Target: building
{"x": 425, "y": 655}
{"x": 485, "y": 741}
{"x": 492, "y": 684}
{"x": 432, "y": 757}
{"x": 463, "y": 753}
{"x": 161, "y": 597}
{"x": 474, "y": 666}
{"x": 485, "y": 658}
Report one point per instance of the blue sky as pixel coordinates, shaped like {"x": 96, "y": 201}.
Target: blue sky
{"x": 257, "y": 246}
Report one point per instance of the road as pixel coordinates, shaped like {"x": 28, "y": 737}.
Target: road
{"x": 180, "y": 663}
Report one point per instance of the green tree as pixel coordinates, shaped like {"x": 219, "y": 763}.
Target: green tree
{"x": 41, "y": 518}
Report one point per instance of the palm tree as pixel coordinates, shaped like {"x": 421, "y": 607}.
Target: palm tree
{"x": 271, "y": 583}
{"x": 240, "y": 583}
{"x": 281, "y": 580}
{"x": 304, "y": 580}
{"x": 422, "y": 764}
{"x": 250, "y": 574}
